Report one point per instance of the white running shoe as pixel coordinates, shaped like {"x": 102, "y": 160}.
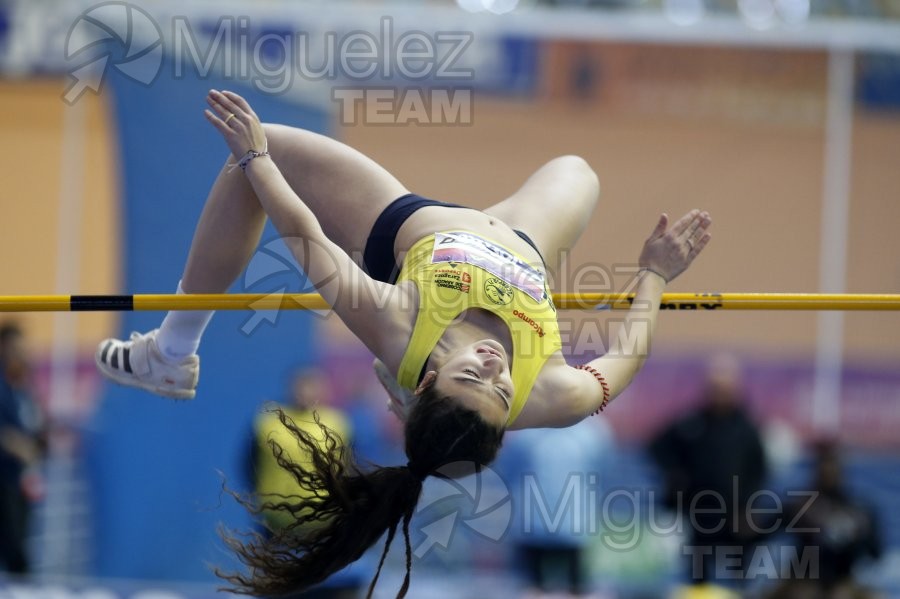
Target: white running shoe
{"x": 139, "y": 363}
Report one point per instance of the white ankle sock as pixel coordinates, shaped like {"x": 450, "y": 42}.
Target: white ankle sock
{"x": 180, "y": 332}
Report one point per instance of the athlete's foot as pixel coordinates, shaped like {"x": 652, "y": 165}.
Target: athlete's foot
{"x": 139, "y": 363}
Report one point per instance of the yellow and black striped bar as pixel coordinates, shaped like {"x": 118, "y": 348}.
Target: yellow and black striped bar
{"x": 564, "y": 301}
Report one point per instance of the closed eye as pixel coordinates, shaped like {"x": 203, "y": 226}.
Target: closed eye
{"x": 503, "y": 393}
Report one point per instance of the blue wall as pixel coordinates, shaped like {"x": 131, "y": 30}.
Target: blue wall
{"x": 154, "y": 463}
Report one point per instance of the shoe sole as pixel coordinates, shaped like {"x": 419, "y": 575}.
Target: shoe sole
{"x": 128, "y": 381}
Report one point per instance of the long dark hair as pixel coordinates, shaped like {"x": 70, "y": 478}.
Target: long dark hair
{"x": 345, "y": 508}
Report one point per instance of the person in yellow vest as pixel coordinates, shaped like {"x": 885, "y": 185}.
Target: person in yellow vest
{"x": 308, "y": 410}
{"x": 453, "y": 302}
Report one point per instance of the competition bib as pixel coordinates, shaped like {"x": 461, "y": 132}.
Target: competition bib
{"x": 467, "y": 248}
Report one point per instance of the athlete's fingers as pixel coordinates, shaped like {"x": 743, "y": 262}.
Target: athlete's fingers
{"x": 217, "y": 122}
{"x": 239, "y": 101}
{"x": 684, "y": 222}
{"x": 661, "y": 225}
{"x": 220, "y": 110}
{"x": 699, "y": 227}
{"x": 698, "y": 247}
{"x": 230, "y": 106}
{"x": 691, "y": 229}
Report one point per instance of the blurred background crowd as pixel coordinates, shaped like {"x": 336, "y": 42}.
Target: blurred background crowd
{"x": 884, "y": 9}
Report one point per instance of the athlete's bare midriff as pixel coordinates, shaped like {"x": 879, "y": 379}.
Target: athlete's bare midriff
{"x": 430, "y": 219}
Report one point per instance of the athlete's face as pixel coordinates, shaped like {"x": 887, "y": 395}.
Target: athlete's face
{"x": 477, "y": 376}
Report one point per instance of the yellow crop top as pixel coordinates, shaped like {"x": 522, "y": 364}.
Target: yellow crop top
{"x": 458, "y": 270}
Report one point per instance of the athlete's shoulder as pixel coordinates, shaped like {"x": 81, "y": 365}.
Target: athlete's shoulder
{"x": 549, "y": 398}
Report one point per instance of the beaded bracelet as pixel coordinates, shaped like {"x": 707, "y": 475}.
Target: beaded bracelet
{"x": 602, "y": 382}
{"x": 250, "y": 155}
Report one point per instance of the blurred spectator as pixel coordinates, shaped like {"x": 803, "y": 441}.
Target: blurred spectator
{"x": 840, "y": 529}
{"x": 890, "y": 8}
{"x": 704, "y": 591}
{"x": 309, "y": 392}
{"x": 377, "y": 432}
{"x": 713, "y": 461}
{"x": 21, "y": 448}
{"x": 560, "y": 470}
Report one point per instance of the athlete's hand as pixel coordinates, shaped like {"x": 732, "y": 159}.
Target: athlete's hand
{"x": 670, "y": 250}
{"x": 236, "y": 121}
{"x": 400, "y": 400}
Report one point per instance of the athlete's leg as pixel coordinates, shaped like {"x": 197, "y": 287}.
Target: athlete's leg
{"x": 553, "y": 207}
{"x": 344, "y": 188}
{"x": 226, "y": 235}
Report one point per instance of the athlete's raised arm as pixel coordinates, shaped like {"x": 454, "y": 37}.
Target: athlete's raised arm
{"x": 578, "y": 392}
{"x": 355, "y": 296}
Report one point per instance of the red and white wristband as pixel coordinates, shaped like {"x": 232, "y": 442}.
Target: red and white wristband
{"x": 602, "y": 382}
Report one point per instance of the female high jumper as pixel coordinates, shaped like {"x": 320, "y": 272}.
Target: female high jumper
{"x": 453, "y": 302}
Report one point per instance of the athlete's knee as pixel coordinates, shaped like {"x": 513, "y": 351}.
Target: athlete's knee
{"x": 573, "y": 161}
{"x": 285, "y": 134}
{"x": 582, "y": 174}
{"x": 277, "y": 134}
{"x": 575, "y": 165}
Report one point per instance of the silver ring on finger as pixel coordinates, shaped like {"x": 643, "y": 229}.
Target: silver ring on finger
{"x": 690, "y": 246}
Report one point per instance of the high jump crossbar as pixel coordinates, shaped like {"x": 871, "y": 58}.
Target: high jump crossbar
{"x": 563, "y": 301}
